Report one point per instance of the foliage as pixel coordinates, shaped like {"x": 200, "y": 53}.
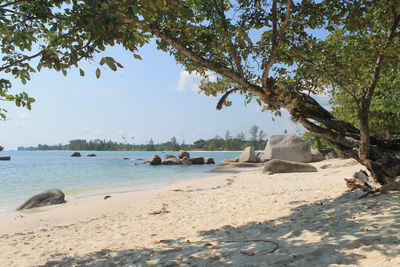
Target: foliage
{"x": 1, "y": 148}
{"x": 344, "y": 63}
{"x": 384, "y": 117}
{"x": 201, "y": 35}
{"x": 265, "y": 50}
{"x": 240, "y": 42}
{"x": 315, "y": 141}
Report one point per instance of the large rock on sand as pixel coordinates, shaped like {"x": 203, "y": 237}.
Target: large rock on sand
{"x": 283, "y": 166}
{"x": 46, "y": 198}
{"x": 287, "y": 147}
{"x": 76, "y": 154}
{"x": 316, "y": 155}
{"x": 248, "y": 155}
{"x": 183, "y": 153}
{"x": 154, "y": 160}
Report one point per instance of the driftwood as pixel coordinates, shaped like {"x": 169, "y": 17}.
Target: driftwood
{"x": 359, "y": 181}
{"x": 395, "y": 185}
{"x": 161, "y": 211}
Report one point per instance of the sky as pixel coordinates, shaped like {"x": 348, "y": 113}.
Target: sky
{"x": 153, "y": 98}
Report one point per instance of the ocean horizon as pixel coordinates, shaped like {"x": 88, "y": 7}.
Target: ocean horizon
{"x": 31, "y": 172}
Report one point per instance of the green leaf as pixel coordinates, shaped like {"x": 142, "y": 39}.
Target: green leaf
{"x": 111, "y": 65}
{"x": 98, "y": 73}
{"x": 137, "y": 56}
{"x": 81, "y": 72}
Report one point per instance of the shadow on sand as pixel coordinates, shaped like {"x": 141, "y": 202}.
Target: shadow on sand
{"x": 332, "y": 231}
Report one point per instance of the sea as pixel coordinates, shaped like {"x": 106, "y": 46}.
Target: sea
{"x": 31, "y": 172}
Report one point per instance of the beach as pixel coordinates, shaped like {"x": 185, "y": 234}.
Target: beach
{"x": 247, "y": 218}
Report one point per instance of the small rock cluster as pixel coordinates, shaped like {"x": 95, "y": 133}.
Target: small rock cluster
{"x": 182, "y": 159}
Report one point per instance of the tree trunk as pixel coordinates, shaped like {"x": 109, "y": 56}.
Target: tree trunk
{"x": 381, "y": 157}
{"x": 388, "y": 132}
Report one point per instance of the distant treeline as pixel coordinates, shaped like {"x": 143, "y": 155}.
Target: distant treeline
{"x": 257, "y": 139}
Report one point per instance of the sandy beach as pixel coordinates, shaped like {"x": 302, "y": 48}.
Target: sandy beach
{"x": 239, "y": 219}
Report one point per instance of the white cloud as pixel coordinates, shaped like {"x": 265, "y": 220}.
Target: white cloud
{"x": 85, "y": 129}
{"x": 88, "y": 130}
{"x": 191, "y": 81}
{"x": 120, "y": 132}
{"x": 24, "y": 115}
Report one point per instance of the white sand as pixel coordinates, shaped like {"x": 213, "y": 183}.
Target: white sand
{"x": 249, "y": 218}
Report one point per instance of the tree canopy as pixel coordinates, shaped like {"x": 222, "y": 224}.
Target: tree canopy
{"x": 268, "y": 51}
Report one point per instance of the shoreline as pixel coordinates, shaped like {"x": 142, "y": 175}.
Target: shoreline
{"x": 81, "y": 194}
{"x": 88, "y": 203}
{"x": 121, "y": 151}
{"x": 128, "y": 180}
{"x": 247, "y": 218}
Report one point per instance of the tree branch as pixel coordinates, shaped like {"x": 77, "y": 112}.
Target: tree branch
{"x": 214, "y": 66}
{"x": 275, "y": 46}
{"x": 224, "y": 97}
{"x": 379, "y": 61}
{"x": 365, "y": 143}
{"x": 45, "y": 12}
{"x": 274, "y": 23}
{"x": 20, "y": 61}
{"x": 328, "y": 134}
{"x": 232, "y": 48}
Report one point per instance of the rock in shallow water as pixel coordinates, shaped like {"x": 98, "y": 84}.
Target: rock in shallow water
{"x": 154, "y": 160}
{"x": 183, "y": 153}
{"x": 46, "y": 198}
{"x": 197, "y": 160}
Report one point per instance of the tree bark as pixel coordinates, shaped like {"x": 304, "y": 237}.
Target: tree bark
{"x": 382, "y": 158}
{"x": 388, "y": 132}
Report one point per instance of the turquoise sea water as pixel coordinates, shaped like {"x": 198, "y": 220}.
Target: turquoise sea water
{"x": 31, "y": 172}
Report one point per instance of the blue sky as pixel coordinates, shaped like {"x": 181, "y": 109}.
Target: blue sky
{"x": 153, "y": 98}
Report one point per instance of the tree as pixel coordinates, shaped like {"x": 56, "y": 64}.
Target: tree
{"x": 253, "y": 135}
{"x": 260, "y": 49}
{"x": 240, "y": 136}
{"x": 150, "y": 145}
{"x": 174, "y": 144}
{"x": 199, "y": 144}
{"x": 253, "y": 132}
{"x": 1, "y": 148}
{"x": 262, "y": 135}
{"x": 228, "y": 140}
{"x": 384, "y": 119}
